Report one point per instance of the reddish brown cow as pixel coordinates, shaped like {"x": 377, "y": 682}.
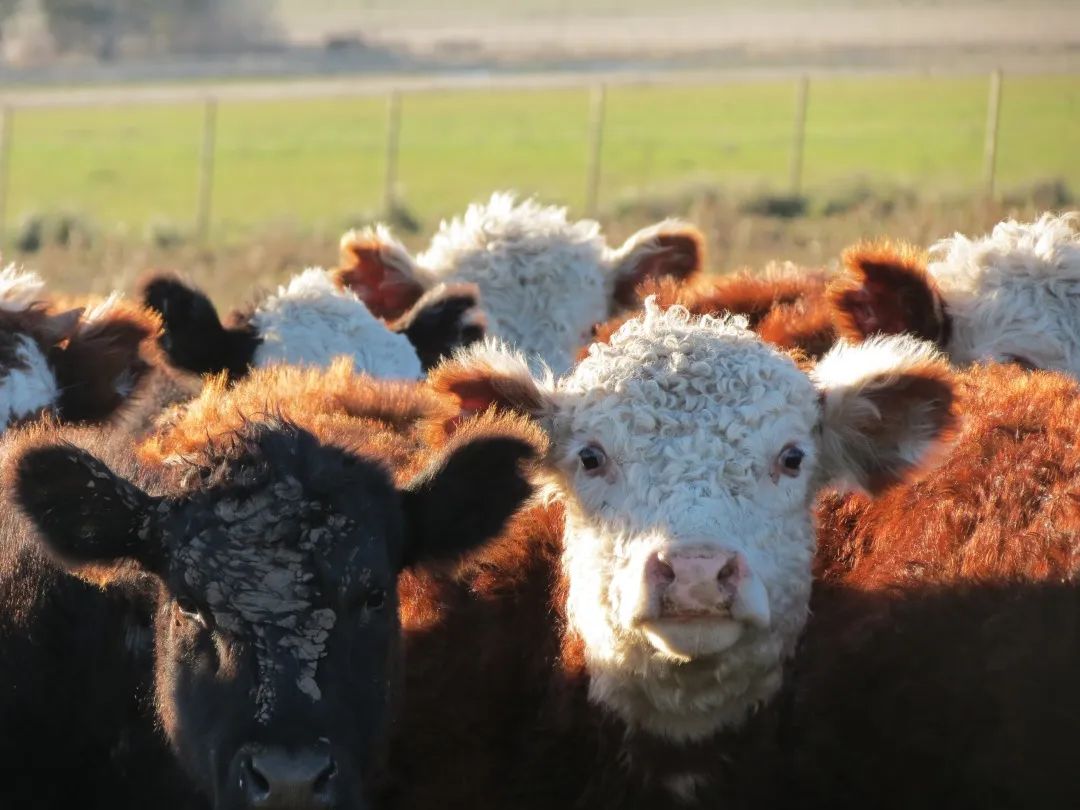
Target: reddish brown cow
{"x": 789, "y": 308}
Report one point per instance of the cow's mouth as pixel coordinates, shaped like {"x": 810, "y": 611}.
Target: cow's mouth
{"x": 689, "y": 636}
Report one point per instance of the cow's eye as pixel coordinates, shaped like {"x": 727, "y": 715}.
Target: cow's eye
{"x": 593, "y": 459}
{"x": 788, "y": 462}
{"x": 375, "y": 599}
{"x": 189, "y": 610}
{"x": 1020, "y": 360}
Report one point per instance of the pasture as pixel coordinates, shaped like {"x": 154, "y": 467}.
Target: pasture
{"x": 319, "y": 164}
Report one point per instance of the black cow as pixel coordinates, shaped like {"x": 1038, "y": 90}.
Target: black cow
{"x": 242, "y": 601}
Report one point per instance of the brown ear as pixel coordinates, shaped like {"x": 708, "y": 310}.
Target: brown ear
{"x": 106, "y": 361}
{"x": 889, "y": 405}
{"x": 488, "y": 377}
{"x": 670, "y": 249}
{"x": 886, "y": 290}
{"x": 380, "y": 271}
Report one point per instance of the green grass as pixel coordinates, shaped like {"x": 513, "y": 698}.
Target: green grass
{"x": 319, "y": 163}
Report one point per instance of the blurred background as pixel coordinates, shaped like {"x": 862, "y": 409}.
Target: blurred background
{"x": 234, "y": 140}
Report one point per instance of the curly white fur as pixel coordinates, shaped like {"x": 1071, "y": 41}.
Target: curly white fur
{"x": 311, "y": 321}
{"x": 545, "y": 280}
{"x": 692, "y": 414}
{"x": 1014, "y": 293}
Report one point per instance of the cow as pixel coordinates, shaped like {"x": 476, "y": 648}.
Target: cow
{"x": 616, "y": 646}
{"x": 79, "y": 366}
{"x": 786, "y": 304}
{"x": 311, "y": 320}
{"x": 1010, "y": 296}
{"x": 231, "y": 582}
{"x": 545, "y": 280}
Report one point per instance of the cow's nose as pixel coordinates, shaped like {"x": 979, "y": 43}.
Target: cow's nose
{"x": 706, "y": 582}
{"x": 272, "y": 777}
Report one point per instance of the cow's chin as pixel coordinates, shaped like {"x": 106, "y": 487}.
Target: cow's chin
{"x": 689, "y": 639}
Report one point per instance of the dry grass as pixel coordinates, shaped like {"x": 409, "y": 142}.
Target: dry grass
{"x": 233, "y": 272}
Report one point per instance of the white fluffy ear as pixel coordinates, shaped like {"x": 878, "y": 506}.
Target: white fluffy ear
{"x": 887, "y": 405}
{"x": 491, "y": 375}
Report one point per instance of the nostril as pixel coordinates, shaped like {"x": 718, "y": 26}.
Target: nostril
{"x": 660, "y": 571}
{"x": 323, "y": 780}
{"x": 728, "y": 572}
{"x": 252, "y": 781}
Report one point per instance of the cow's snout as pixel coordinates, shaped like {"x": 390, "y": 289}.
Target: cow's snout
{"x": 706, "y": 582}
{"x": 274, "y": 777}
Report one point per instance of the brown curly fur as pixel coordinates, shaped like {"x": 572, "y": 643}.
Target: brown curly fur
{"x": 789, "y": 310}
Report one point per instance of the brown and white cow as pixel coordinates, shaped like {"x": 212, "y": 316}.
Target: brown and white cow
{"x": 545, "y": 280}
{"x": 77, "y": 365}
{"x": 1011, "y": 296}
{"x": 615, "y": 647}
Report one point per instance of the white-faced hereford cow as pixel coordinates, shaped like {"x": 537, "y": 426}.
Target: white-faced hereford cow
{"x": 545, "y": 281}
{"x": 76, "y": 365}
{"x": 1012, "y": 296}
{"x": 310, "y": 321}
{"x": 623, "y": 638}
{"x": 235, "y": 587}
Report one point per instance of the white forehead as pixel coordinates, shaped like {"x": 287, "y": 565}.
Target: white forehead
{"x": 708, "y": 383}
{"x": 542, "y": 277}
{"x": 311, "y": 321}
{"x": 1044, "y": 253}
{"x": 1015, "y": 291}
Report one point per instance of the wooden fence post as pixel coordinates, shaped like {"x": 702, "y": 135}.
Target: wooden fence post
{"x": 993, "y": 119}
{"x": 597, "y": 103}
{"x": 393, "y": 135}
{"x": 7, "y": 115}
{"x": 206, "y": 169}
{"x": 802, "y": 95}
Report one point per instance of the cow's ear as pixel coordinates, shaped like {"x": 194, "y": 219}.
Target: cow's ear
{"x": 888, "y": 404}
{"x": 468, "y": 494}
{"x": 491, "y": 376}
{"x": 885, "y": 289}
{"x": 86, "y": 515}
{"x": 445, "y": 318}
{"x": 106, "y": 361}
{"x": 669, "y": 249}
{"x": 380, "y": 271}
{"x": 193, "y": 337}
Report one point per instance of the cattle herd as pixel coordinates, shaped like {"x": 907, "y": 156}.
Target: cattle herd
{"x": 531, "y": 521}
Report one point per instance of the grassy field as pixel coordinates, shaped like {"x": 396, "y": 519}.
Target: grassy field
{"x": 319, "y": 164}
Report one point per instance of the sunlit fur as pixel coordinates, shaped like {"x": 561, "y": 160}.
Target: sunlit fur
{"x": 310, "y": 321}
{"x": 545, "y": 279}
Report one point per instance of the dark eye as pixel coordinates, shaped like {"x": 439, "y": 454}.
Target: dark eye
{"x": 593, "y": 458}
{"x": 788, "y": 463}
{"x": 189, "y": 610}
{"x": 375, "y": 599}
{"x": 1021, "y": 361}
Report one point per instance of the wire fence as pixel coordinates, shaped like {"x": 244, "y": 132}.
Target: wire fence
{"x": 394, "y": 91}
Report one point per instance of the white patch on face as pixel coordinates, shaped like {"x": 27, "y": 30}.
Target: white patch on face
{"x": 544, "y": 280}
{"x": 311, "y": 321}
{"x": 19, "y": 288}
{"x": 691, "y": 414}
{"x": 30, "y": 389}
{"x": 1014, "y": 294}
